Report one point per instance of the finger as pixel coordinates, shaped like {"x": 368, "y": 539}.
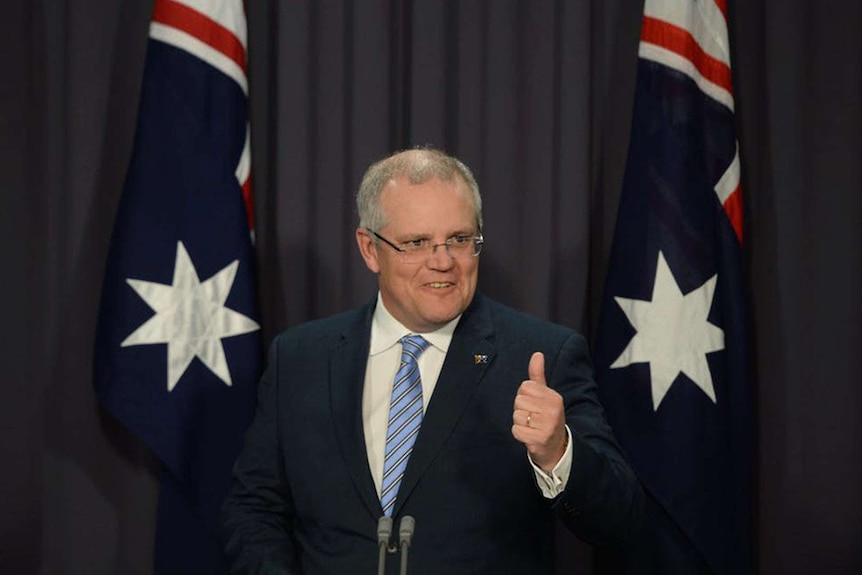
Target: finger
{"x": 520, "y": 433}
{"x": 530, "y": 437}
{"x": 523, "y": 417}
{"x": 526, "y": 418}
{"x": 530, "y": 403}
{"x": 519, "y": 416}
{"x": 537, "y": 368}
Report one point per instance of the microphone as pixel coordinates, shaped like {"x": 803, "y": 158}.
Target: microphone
{"x": 384, "y": 529}
{"x": 405, "y": 532}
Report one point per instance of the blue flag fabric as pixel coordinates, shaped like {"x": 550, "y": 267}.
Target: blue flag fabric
{"x": 178, "y": 346}
{"x": 672, "y": 350}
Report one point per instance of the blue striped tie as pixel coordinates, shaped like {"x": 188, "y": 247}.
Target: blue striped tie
{"x": 405, "y": 416}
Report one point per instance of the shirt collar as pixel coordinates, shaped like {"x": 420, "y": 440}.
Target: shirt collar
{"x": 386, "y": 331}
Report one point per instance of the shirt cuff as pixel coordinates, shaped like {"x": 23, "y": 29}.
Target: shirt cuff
{"x": 554, "y": 483}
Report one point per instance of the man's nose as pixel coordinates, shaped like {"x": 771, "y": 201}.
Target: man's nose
{"x": 440, "y": 256}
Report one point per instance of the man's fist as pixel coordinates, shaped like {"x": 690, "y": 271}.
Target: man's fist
{"x": 538, "y": 418}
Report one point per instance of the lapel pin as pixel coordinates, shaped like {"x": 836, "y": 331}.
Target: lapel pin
{"x": 480, "y": 358}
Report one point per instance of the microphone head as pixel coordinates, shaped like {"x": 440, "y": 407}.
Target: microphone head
{"x": 384, "y": 529}
{"x": 405, "y": 529}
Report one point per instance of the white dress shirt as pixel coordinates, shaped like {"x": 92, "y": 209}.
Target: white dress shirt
{"x": 384, "y": 357}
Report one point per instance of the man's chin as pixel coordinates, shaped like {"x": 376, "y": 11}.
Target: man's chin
{"x": 438, "y": 316}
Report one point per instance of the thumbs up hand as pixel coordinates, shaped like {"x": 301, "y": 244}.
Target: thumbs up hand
{"x": 538, "y": 418}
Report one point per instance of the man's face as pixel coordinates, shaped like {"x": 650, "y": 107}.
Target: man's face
{"x": 423, "y": 296}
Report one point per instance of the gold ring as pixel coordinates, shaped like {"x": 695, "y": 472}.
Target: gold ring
{"x": 529, "y": 418}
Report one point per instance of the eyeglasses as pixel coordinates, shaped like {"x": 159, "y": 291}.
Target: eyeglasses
{"x": 420, "y": 249}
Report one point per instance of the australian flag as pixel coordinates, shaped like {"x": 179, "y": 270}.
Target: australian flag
{"x": 672, "y": 352}
{"x": 178, "y": 346}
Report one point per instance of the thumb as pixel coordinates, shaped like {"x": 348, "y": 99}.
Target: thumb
{"x": 537, "y": 368}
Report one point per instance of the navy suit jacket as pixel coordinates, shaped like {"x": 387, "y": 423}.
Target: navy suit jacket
{"x": 303, "y": 499}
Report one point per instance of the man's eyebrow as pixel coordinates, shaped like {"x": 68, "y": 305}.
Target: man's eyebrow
{"x": 409, "y": 237}
{"x": 426, "y": 236}
{"x": 467, "y": 232}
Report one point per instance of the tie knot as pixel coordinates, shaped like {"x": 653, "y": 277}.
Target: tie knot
{"x": 413, "y": 346}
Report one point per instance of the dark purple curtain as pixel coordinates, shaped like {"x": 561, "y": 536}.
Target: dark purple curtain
{"x": 536, "y": 97}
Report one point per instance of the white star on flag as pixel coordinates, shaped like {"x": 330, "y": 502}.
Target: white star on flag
{"x": 673, "y": 334}
{"x": 191, "y": 318}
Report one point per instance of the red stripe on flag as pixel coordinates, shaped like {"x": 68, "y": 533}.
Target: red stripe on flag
{"x": 247, "y": 198}
{"x": 205, "y": 29}
{"x": 680, "y": 41}
{"x": 733, "y": 208}
{"x": 722, "y": 5}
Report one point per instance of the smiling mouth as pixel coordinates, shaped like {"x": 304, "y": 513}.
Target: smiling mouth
{"x": 438, "y": 285}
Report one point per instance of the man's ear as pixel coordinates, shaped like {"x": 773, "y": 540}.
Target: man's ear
{"x": 368, "y": 249}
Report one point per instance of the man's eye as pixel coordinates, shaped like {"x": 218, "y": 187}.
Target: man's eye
{"x": 461, "y": 240}
{"x": 415, "y": 244}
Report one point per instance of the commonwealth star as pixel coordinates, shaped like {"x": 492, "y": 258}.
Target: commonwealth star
{"x": 191, "y": 318}
{"x": 673, "y": 333}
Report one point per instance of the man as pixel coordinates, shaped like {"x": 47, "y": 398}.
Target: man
{"x": 486, "y": 428}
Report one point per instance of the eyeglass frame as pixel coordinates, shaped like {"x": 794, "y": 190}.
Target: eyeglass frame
{"x": 478, "y": 242}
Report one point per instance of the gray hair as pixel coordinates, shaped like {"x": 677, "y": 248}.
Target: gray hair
{"x": 417, "y": 165}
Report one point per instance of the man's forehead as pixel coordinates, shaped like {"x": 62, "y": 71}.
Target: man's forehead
{"x": 408, "y": 205}
{"x": 399, "y": 184}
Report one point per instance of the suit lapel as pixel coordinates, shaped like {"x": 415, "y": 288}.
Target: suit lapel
{"x": 346, "y": 380}
{"x": 470, "y": 354}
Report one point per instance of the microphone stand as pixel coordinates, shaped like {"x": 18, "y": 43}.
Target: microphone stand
{"x": 405, "y": 531}
{"x": 384, "y": 529}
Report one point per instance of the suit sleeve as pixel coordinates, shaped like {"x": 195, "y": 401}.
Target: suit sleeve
{"x": 257, "y": 513}
{"x": 603, "y": 500}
